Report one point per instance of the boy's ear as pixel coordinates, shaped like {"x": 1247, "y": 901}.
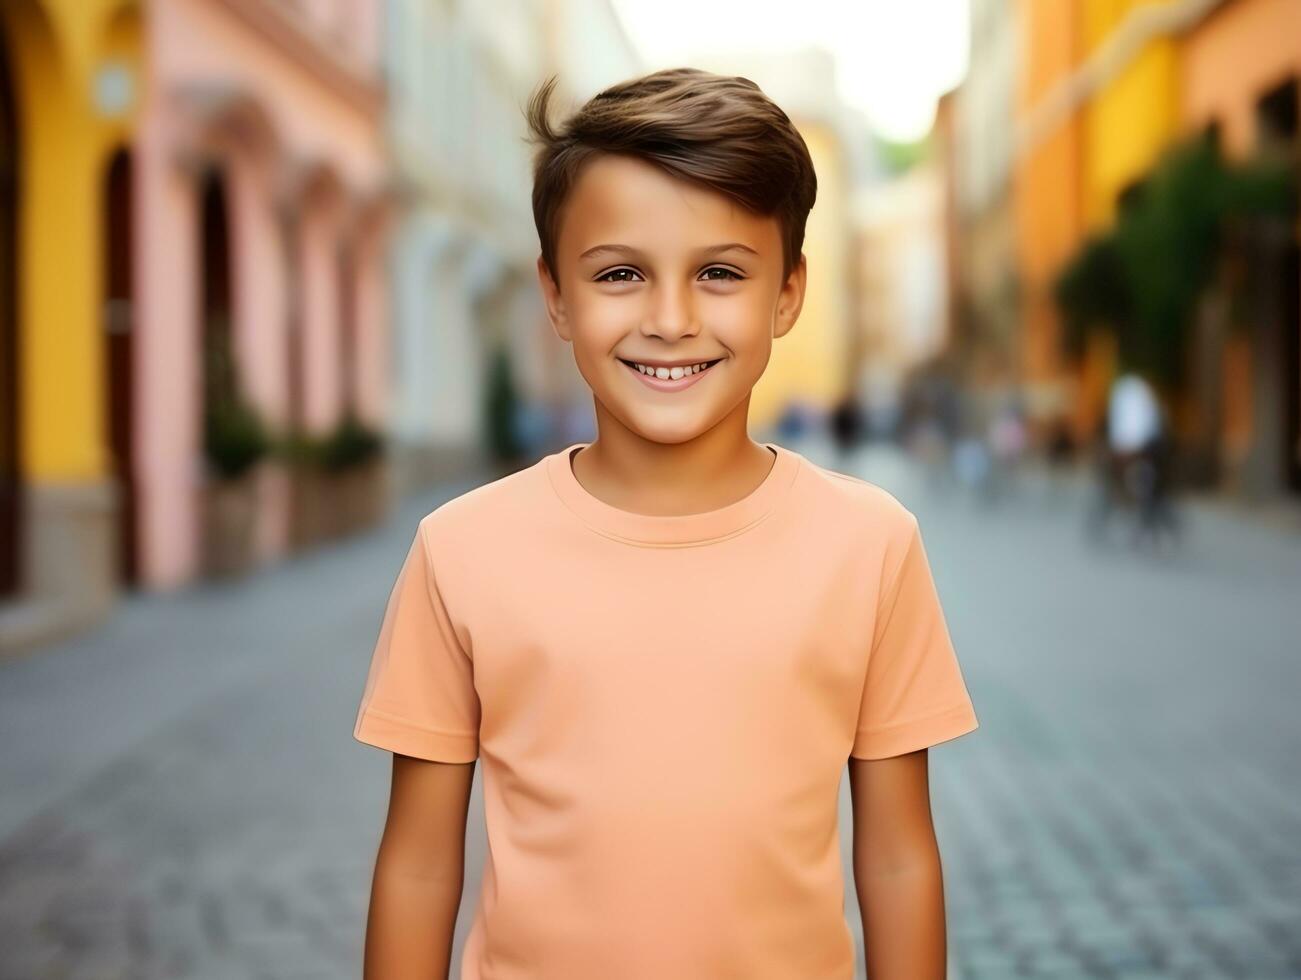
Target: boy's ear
{"x": 551, "y": 297}
{"x": 791, "y": 298}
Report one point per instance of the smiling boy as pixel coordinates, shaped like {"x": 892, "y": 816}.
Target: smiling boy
{"x": 666, "y": 644}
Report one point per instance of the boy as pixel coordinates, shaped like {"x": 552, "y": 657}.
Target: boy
{"x": 667, "y": 642}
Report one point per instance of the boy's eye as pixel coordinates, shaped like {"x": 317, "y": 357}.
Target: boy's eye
{"x": 605, "y": 276}
{"x": 728, "y": 275}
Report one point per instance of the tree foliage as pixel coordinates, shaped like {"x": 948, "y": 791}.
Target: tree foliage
{"x": 1142, "y": 278}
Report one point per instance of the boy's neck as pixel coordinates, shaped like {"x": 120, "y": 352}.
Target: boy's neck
{"x": 634, "y": 474}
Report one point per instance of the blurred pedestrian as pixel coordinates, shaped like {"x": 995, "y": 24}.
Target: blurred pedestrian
{"x": 846, "y": 424}
{"x": 1060, "y": 447}
{"x": 1006, "y": 439}
{"x": 1134, "y": 462}
{"x": 971, "y": 464}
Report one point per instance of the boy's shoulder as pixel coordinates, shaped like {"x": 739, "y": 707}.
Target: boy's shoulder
{"x": 489, "y": 505}
{"x": 849, "y": 501}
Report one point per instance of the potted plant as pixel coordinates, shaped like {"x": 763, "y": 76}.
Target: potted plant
{"x": 340, "y": 479}
{"x": 235, "y": 440}
{"x": 353, "y": 455}
{"x": 308, "y": 488}
{"x": 503, "y": 412}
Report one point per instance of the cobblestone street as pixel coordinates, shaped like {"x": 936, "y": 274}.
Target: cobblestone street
{"x": 180, "y": 794}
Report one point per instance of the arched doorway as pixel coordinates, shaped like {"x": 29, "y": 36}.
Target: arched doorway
{"x": 215, "y": 327}
{"x": 10, "y": 475}
{"x": 118, "y": 318}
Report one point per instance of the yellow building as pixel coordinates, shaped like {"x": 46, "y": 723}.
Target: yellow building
{"x": 1134, "y": 112}
{"x": 813, "y": 363}
{"x": 1098, "y": 102}
{"x": 1047, "y": 181}
{"x": 1130, "y": 117}
{"x": 69, "y": 82}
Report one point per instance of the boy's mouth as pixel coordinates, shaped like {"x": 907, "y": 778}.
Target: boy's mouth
{"x": 670, "y": 374}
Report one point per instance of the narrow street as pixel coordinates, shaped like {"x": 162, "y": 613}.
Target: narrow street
{"x": 181, "y": 796}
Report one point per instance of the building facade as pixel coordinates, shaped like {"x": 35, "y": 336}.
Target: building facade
{"x": 465, "y": 293}
{"x": 1240, "y": 79}
{"x": 1105, "y": 89}
{"x": 70, "y": 80}
{"x": 189, "y": 177}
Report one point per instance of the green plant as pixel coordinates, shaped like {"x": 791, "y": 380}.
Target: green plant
{"x": 900, "y": 157}
{"x": 298, "y": 448}
{"x": 349, "y": 444}
{"x": 503, "y": 407}
{"x": 1092, "y": 289}
{"x": 1143, "y": 277}
{"x": 235, "y": 438}
{"x": 234, "y": 435}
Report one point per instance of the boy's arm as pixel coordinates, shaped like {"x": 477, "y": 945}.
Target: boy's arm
{"x": 419, "y": 871}
{"x": 897, "y": 873}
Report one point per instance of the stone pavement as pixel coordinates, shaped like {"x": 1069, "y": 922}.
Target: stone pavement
{"x": 1130, "y": 806}
{"x": 180, "y": 794}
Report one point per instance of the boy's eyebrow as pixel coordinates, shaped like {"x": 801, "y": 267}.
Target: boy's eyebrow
{"x": 629, "y": 250}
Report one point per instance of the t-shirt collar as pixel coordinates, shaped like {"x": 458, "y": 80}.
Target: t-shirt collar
{"x": 676, "y": 529}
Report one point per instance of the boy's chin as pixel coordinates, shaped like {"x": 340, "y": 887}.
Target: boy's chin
{"x": 667, "y": 426}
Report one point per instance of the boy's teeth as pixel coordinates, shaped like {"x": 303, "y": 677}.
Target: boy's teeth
{"x": 673, "y": 373}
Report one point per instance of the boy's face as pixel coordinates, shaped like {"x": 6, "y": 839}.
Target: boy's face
{"x": 641, "y": 277}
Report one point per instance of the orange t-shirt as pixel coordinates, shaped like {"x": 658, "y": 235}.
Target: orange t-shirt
{"x": 664, "y": 706}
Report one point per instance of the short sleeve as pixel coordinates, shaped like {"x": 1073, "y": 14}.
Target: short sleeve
{"x": 914, "y": 695}
{"x": 419, "y": 697}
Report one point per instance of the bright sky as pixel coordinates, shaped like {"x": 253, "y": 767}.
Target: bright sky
{"x": 894, "y": 58}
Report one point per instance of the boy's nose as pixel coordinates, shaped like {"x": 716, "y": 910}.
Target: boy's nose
{"x": 672, "y": 313}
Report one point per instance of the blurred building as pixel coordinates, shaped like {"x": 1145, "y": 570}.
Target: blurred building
{"x": 70, "y": 74}
{"x": 1239, "y": 77}
{"x": 976, "y": 127}
{"x": 1103, "y": 90}
{"x": 466, "y": 298}
{"x": 192, "y": 190}
{"x": 1046, "y": 194}
{"x": 1095, "y": 102}
{"x": 904, "y": 268}
{"x": 262, "y": 203}
{"x": 462, "y": 255}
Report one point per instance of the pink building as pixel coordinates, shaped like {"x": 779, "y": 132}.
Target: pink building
{"x": 261, "y": 210}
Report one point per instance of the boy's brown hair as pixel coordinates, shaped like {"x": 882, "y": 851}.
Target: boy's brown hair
{"x": 718, "y": 131}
